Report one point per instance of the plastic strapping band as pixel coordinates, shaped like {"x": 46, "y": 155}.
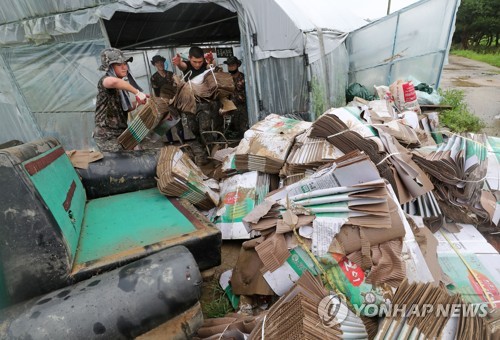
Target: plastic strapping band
{"x": 320, "y": 267}
{"x": 485, "y": 291}
{"x": 477, "y": 181}
{"x": 263, "y": 325}
{"x": 186, "y": 76}
{"x": 225, "y": 329}
{"x": 389, "y": 155}
{"x": 213, "y": 75}
{"x": 459, "y": 135}
{"x": 344, "y": 131}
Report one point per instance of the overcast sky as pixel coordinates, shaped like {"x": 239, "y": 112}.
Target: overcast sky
{"x": 374, "y": 9}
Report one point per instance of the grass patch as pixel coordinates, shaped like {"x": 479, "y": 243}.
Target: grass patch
{"x": 318, "y": 98}
{"x": 459, "y": 118}
{"x": 489, "y": 58}
{"x": 218, "y": 304}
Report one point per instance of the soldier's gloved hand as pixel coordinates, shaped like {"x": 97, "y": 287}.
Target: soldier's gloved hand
{"x": 177, "y": 59}
{"x": 141, "y": 97}
{"x": 209, "y": 57}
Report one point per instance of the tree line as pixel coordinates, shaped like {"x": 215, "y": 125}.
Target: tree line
{"x": 477, "y": 24}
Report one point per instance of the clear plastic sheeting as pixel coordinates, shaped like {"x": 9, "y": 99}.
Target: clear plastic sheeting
{"x": 40, "y": 21}
{"x": 283, "y": 85}
{"x": 294, "y": 56}
{"x": 72, "y": 129}
{"x": 286, "y": 28}
{"x": 24, "y": 9}
{"x": 17, "y": 121}
{"x": 57, "y": 78}
{"x": 332, "y": 80}
{"x": 411, "y": 42}
{"x": 54, "y": 87}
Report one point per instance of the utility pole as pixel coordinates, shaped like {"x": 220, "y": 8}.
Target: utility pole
{"x": 389, "y": 7}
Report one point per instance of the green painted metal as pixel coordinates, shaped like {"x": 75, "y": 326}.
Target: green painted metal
{"x": 119, "y": 223}
{"x": 53, "y": 183}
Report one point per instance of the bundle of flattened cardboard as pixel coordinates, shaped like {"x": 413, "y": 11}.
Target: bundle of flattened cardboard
{"x": 493, "y": 177}
{"x": 224, "y": 166}
{"x": 266, "y": 145}
{"x": 459, "y": 167}
{"x": 306, "y": 154}
{"x": 318, "y": 224}
{"x": 179, "y": 176}
{"x": 348, "y": 130}
{"x": 342, "y": 222}
{"x": 429, "y": 325}
{"x": 296, "y": 316}
{"x": 209, "y": 85}
{"x": 239, "y": 194}
{"x": 462, "y": 260}
{"x": 146, "y": 120}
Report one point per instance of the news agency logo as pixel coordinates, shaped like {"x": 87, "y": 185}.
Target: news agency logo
{"x": 332, "y": 310}
{"x": 422, "y": 310}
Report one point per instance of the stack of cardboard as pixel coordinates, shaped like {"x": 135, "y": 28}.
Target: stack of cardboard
{"x": 266, "y": 145}
{"x": 472, "y": 265}
{"x": 178, "y": 176}
{"x": 427, "y": 324}
{"x": 427, "y": 207}
{"x": 239, "y": 194}
{"x": 146, "y": 120}
{"x": 493, "y": 178}
{"x": 345, "y": 129}
{"x": 309, "y": 153}
{"x": 459, "y": 168}
{"x": 209, "y": 85}
{"x": 224, "y": 163}
{"x": 361, "y": 204}
{"x": 397, "y": 136}
{"x": 352, "y": 169}
{"x": 405, "y": 135}
{"x": 304, "y": 313}
{"x": 341, "y": 210}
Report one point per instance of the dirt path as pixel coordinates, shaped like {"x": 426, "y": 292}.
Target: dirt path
{"x": 481, "y": 85}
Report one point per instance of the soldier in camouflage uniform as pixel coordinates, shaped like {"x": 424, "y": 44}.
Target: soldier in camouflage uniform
{"x": 239, "y": 117}
{"x": 165, "y": 87}
{"x": 113, "y": 102}
{"x": 207, "y": 116}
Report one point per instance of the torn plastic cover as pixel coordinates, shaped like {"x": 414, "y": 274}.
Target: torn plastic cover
{"x": 411, "y": 42}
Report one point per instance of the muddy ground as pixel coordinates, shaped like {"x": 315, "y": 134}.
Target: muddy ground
{"x": 481, "y": 85}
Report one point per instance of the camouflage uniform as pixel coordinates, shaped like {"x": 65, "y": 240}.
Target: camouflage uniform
{"x": 207, "y": 118}
{"x": 110, "y": 119}
{"x": 239, "y": 117}
{"x": 164, "y": 86}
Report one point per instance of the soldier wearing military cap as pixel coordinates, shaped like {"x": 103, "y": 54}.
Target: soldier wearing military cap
{"x": 113, "y": 102}
{"x": 239, "y": 117}
{"x": 164, "y": 86}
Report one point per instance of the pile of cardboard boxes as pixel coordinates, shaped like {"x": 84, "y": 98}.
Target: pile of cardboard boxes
{"x": 345, "y": 217}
